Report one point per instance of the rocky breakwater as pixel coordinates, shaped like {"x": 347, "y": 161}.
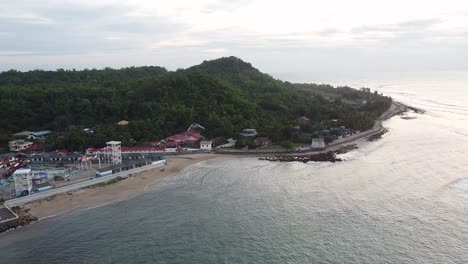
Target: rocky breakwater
{"x": 24, "y": 218}
{"x": 329, "y": 156}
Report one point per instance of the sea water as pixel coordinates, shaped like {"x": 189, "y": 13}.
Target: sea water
{"x": 402, "y": 199}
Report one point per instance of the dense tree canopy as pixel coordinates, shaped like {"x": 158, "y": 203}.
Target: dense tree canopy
{"x": 224, "y": 95}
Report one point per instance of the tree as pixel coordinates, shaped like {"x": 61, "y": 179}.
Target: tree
{"x": 287, "y": 144}
{"x": 224, "y": 95}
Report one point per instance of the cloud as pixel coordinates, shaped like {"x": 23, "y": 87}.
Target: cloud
{"x": 15, "y": 53}
{"x": 47, "y": 33}
{"x": 398, "y": 28}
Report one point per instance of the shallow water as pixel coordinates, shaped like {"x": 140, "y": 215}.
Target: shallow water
{"x": 402, "y": 199}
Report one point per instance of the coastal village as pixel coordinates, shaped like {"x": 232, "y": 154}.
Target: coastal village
{"x": 97, "y": 135}
{"x": 50, "y": 168}
{"x": 29, "y": 173}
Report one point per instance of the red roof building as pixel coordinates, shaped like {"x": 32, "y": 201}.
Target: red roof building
{"x": 171, "y": 144}
{"x": 35, "y": 147}
{"x": 156, "y": 143}
{"x": 62, "y": 151}
{"x": 184, "y": 139}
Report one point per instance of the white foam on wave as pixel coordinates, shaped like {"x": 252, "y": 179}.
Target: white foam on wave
{"x": 352, "y": 155}
{"x": 461, "y": 184}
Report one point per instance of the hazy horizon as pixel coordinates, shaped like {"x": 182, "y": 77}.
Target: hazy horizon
{"x": 297, "y": 36}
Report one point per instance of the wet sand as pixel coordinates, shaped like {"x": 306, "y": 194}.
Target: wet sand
{"x": 124, "y": 189}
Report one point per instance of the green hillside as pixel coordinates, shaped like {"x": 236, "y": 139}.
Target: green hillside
{"x": 224, "y": 95}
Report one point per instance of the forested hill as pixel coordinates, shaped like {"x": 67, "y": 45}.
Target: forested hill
{"x": 38, "y": 77}
{"x": 224, "y": 95}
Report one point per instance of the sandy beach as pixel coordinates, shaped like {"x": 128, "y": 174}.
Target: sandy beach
{"x": 130, "y": 187}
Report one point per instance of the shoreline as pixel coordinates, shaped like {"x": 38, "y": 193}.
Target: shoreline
{"x": 396, "y": 108}
{"x": 93, "y": 197}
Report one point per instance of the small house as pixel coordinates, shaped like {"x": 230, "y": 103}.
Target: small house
{"x": 318, "y": 144}
{"x": 324, "y": 132}
{"x": 303, "y": 120}
{"x": 206, "y": 145}
{"x": 249, "y": 132}
{"x": 218, "y": 141}
{"x": 123, "y": 123}
{"x": 262, "y": 141}
{"x": 88, "y": 130}
{"x": 19, "y": 145}
{"x": 230, "y": 143}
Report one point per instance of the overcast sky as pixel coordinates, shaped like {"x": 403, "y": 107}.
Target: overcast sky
{"x": 275, "y": 36}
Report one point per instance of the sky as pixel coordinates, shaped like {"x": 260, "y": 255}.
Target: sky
{"x": 275, "y": 36}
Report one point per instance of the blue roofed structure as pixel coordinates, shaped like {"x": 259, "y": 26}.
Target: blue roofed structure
{"x": 42, "y": 133}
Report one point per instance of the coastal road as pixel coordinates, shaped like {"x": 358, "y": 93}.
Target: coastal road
{"x": 395, "y": 109}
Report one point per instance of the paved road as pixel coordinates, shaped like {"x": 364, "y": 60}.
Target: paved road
{"x": 394, "y": 109}
{"x": 38, "y": 196}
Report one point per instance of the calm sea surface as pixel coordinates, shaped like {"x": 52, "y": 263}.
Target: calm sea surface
{"x": 402, "y": 199}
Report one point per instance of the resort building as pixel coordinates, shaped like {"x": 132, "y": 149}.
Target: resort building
{"x": 55, "y": 157}
{"x": 186, "y": 138}
{"x": 23, "y": 182}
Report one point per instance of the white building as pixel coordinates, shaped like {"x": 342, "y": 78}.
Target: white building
{"x": 19, "y": 145}
{"x": 318, "y": 144}
{"x": 114, "y": 149}
{"x": 249, "y": 132}
{"x": 23, "y": 181}
{"x": 206, "y": 145}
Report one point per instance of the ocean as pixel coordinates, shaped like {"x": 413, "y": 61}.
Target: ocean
{"x": 401, "y": 199}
